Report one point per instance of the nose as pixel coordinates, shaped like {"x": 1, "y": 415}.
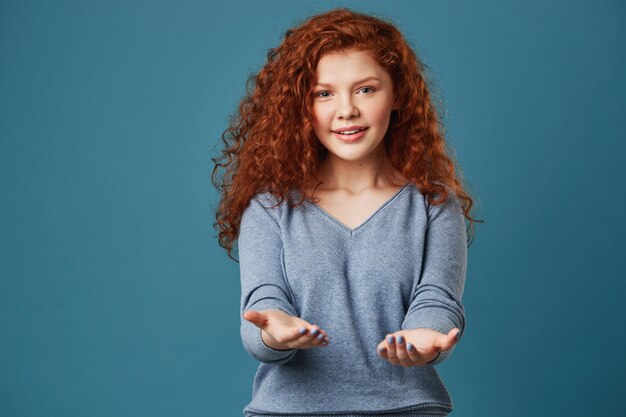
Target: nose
{"x": 346, "y": 109}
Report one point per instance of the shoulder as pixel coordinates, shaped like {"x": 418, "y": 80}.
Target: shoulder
{"x": 451, "y": 204}
{"x": 264, "y": 205}
{"x": 434, "y": 200}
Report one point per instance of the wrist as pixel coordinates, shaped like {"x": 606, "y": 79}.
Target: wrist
{"x": 435, "y": 358}
{"x": 272, "y": 343}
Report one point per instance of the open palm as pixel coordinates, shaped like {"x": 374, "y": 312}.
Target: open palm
{"x": 416, "y": 347}
{"x": 282, "y": 331}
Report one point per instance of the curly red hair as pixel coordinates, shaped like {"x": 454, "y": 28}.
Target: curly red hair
{"x": 264, "y": 153}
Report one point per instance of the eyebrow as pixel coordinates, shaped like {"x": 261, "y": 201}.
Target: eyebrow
{"x": 371, "y": 78}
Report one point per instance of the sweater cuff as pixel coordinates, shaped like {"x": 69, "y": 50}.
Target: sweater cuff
{"x": 270, "y": 353}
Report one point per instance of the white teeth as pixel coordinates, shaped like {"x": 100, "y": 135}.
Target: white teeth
{"x": 350, "y": 132}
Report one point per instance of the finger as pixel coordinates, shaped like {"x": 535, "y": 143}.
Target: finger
{"x": 455, "y": 335}
{"x": 318, "y": 336}
{"x": 413, "y": 354}
{"x": 255, "y": 317}
{"x": 314, "y": 331}
{"x": 323, "y": 337}
{"x": 314, "y": 337}
{"x": 300, "y": 333}
{"x": 321, "y": 333}
{"x": 319, "y": 340}
{"x": 392, "y": 355}
{"x": 382, "y": 350}
{"x": 324, "y": 340}
{"x": 446, "y": 342}
{"x": 401, "y": 352}
{"x": 290, "y": 337}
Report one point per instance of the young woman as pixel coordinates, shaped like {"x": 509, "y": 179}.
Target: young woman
{"x": 349, "y": 218}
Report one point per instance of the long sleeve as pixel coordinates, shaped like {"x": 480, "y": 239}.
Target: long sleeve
{"x": 357, "y": 284}
{"x": 436, "y": 302}
{"x": 263, "y": 284}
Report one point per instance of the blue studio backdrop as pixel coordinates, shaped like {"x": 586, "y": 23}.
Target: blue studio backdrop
{"x": 115, "y": 297}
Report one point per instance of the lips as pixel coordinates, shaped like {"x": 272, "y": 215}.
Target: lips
{"x": 350, "y": 134}
{"x": 349, "y": 130}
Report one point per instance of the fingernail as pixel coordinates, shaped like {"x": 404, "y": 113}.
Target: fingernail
{"x": 381, "y": 349}
{"x": 302, "y": 330}
{"x": 409, "y": 347}
{"x": 314, "y": 331}
{"x": 458, "y": 335}
{"x": 390, "y": 340}
{"x": 320, "y": 336}
{"x": 400, "y": 339}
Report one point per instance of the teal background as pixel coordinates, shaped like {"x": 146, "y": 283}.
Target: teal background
{"x": 115, "y": 298}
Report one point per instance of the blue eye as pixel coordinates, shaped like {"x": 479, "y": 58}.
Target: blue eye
{"x": 321, "y": 94}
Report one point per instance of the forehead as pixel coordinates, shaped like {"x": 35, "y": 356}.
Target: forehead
{"x": 350, "y": 64}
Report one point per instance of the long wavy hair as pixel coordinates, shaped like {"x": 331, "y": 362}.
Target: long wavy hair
{"x": 270, "y": 145}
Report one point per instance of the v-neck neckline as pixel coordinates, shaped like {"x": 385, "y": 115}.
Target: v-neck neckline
{"x": 368, "y": 219}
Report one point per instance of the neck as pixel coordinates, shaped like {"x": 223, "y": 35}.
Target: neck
{"x": 374, "y": 171}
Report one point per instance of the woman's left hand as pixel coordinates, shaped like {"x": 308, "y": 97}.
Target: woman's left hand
{"x": 415, "y": 347}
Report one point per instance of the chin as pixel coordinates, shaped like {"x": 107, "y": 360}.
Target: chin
{"x": 350, "y": 156}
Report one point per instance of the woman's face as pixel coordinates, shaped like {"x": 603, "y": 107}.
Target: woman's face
{"x": 352, "y": 104}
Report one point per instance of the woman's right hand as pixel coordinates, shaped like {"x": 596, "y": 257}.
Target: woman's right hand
{"x": 282, "y": 331}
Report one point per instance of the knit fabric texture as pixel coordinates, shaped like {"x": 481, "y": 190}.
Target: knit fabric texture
{"x": 402, "y": 268}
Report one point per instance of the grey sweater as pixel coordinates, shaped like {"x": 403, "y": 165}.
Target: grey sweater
{"x": 402, "y": 268}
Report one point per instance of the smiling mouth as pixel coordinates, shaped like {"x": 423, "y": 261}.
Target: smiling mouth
{"x": 349, "y": 132}
{"x": 350, "y": 135}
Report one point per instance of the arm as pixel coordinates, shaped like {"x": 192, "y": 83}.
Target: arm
{"x": 263, "y": 284}
{"x": 436, "y": 302}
